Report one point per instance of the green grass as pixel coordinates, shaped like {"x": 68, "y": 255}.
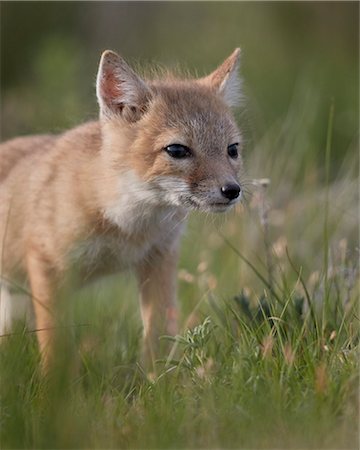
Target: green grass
{"x": 268, "y": 355}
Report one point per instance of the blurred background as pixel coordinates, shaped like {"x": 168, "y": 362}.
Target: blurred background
{"x": 298, "y": 58}
{"x": 50, "y": 52}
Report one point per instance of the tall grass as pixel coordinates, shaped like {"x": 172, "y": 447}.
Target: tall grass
{"x": 268, "y": 354}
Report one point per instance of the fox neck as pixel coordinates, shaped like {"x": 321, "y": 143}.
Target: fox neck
{"x": 135, "y": 205}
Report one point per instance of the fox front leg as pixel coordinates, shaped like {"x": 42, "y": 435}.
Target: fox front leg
{"x": 42, "y": 283}
{"x": 157, "y": 285}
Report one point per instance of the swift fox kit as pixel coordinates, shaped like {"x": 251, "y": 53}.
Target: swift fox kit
{"x": 114, "y": 194}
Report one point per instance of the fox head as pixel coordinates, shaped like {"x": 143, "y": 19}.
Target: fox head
{"x": 177, "y": 137}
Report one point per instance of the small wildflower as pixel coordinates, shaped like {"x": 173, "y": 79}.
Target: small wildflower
{"x": 267, "y": 346}
{"x": 209, "y": 364}
{"x": 151, "y": 376}
{"x": 203, "y": 371}
{"x": 202, "y": 267}
{"x": 200, "y": 371}
{"x": 211, "y": 282}
{"x": 314, "y": 279}
{"x": 332, "y": 335}
{"x": 256, "y": 200}
{"x": 263, "y": 182}
{"x": 186, "y": 276}
{"x": 280, "y": 246}
{"x": 321, "y": 379}
{"x": 289, "y": 354}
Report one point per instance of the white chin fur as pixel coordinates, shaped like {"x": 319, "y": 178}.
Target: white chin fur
{"x": 173, "y": 189}
{"x": 138, "y": 201}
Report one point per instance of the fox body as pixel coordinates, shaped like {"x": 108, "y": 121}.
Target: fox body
{"x": 115, "y": 193}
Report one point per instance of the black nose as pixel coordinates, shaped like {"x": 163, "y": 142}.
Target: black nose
{"x": 230, "y": 191}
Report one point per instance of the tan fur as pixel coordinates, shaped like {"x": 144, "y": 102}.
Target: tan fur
{"x": 106, "y": 195}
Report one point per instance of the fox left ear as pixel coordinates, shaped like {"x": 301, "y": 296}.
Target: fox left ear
{"x": 120, "y": 91}
{"x": 225, "y": 79}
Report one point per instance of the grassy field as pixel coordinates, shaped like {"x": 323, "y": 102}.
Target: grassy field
{"x": 268, "y": 355}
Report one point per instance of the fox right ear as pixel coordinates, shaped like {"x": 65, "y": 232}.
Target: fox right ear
{"x": 225, "y": 79}
{"x": 120, "y": 92}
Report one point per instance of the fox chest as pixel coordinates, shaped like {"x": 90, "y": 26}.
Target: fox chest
{"x": 113, "y": 248}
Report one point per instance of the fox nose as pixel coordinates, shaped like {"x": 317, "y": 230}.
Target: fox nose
{"x": 230, "y": 191}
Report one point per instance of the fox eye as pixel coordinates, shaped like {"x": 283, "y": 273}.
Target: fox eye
{"x": 233, "y": 150}
{"x": 178, "y": 151}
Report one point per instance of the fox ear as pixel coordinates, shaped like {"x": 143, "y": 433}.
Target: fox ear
{"x": 119, "y": 90}
{"x": 225, "y": 79}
